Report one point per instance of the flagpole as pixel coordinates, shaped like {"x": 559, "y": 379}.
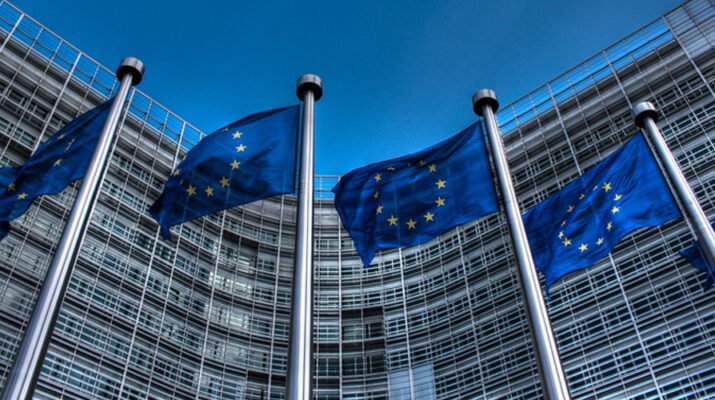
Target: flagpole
{"x": 485, "y": 104}
{"x": 645, "y": 116}
{"x": 299, "y": 385}
{"x": 28, "y": 363}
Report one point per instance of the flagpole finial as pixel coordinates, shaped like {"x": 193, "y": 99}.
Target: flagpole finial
{"x": 132, "y": 66}
{"x": 482, "y": 97}
{"x": 644, "y": 110}
{"x": 310, "y": 82}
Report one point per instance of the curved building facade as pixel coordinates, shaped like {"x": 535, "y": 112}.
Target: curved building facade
{"x": 205, "y": 315}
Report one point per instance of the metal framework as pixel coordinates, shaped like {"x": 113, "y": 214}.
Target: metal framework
{"x": 206, "y": 315}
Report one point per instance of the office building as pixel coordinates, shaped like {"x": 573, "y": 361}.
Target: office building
{"x": 205, "y": 315}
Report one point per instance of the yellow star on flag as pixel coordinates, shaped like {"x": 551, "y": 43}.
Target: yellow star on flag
{"x": 379, "y": 209}
{"x": 423, "y": 163}
{"x": 440, "y": 184}
{"x": 209, "y": 191}
{"x": 237, "y": 135}
{"x": 177, "y": 172}
{"x": 439, "y": 201}
{"x": 58, "y": 162}
{"x": 191, "y": 190}
{"x": 609, "y": 226}
{"x": 599, "y": 241}
{"x": 432, "y": 168}
{"x": 11, "y": 187}
{"x": 378, "y": 177}
{"x": 429, "y": 216}
{"x": 567, "y": 242}
{"x": 376, "y": 194}
{"x": 561, "y": 235}
{"x": 392, "y": 220}
{"x": 582, "y": 196}
{"x": 583, "y": 247}
{"x": 411, "y": 224}
{"x": 22, "y": 196}
{"x": 69, "y": 144}
{"x": 607, "y": 186}
{"x": 224, "y": 181}
{"x": 570, "y": 209}
{"x": 225, "y": 129}
{"x": 235, "y": 164}
{"x": 618, "y": 197}
{"x": 615, "y": 210}
{"x": 241, "y": 148}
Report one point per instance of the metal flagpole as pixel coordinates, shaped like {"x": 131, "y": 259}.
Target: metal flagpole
{"x": 300, "y": 373}
{"x": 485, "y": 104}
{"x": 28, "y": 363}
{"x": 645, "y": 116}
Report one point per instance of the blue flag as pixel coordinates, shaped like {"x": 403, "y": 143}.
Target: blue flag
{"x": 695, "y": 257}
{"x": 580, "y": 224}
{"x": 61, "y": 159}
{"x": 245, "y": 161}
{"x": 7, "y": 176}
{"x": 412, "y": 199}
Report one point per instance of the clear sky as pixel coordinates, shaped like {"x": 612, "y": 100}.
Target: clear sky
{"x": 397, "y": 75}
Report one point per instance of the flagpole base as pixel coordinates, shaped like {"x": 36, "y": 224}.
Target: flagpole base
{"x": 482, "y": 97}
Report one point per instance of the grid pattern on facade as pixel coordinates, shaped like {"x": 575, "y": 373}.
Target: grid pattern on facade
{"x": 205, "y": 315}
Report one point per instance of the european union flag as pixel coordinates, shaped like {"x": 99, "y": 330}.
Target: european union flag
{"x": 245, "y": 161}
{"x": 695, "y": 257}
{"x": 580, "y": 224}
{"x": 61, "y": 159}
{"x": 412, "y": 199}
{"x": 7, "y": 176}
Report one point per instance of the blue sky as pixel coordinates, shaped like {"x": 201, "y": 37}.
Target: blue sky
{"x": 398, "y": 75}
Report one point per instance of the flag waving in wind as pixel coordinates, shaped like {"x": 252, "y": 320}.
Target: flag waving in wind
{"x": 695, "y": 257}
{"x": 245, "y": 161}
{"x": 412, "y": 199}
{"x": 580, "y": 224}
{"x": 61, "y": 159}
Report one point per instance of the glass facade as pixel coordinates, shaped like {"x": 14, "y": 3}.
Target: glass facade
{"x": 206, "y": 314}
